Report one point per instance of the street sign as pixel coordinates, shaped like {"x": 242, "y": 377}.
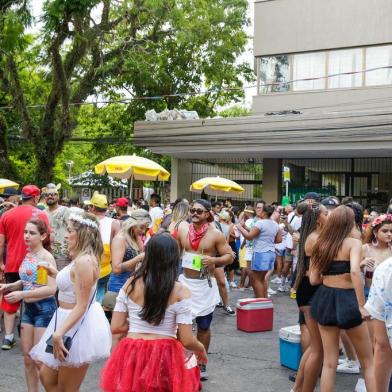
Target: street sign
{"x": 286, "y": 174}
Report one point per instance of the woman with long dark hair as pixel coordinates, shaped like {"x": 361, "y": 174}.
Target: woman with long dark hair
{"x": 154, "y": 309}
{"x": 314, "y": 217}
{"x": 339, "y": 301}
{"x": 37, "y": 294}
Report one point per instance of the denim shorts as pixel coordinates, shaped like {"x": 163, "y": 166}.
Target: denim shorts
{"x": 263, "y": 261}
{"x": 204, "y": 322}
{"x": 39, "y": 313}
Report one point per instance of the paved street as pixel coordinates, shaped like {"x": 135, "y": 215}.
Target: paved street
{"x": 238, "y": 361}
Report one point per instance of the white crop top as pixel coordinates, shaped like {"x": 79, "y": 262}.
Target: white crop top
{"x": 178, "y": 313}
{"x": 66, "y": 286}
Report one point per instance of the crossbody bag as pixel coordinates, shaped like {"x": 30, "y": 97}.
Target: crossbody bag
{"x": 67, "y": 340}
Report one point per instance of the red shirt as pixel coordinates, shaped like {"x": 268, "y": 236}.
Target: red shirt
{"x": 12, "y": 224}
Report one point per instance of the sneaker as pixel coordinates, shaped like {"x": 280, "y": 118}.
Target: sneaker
{"x": 283, "y": 289}
{"x": 219, "y": 305}
{"x": 229, "y": 310}
{"x": 271, "y": 292}
{"x": 233, "y": 285}
{"x": 293, "y": 377}
{"x": 351, "y": 367}
{"x": 8, "y": 344}
{"x": 203, "y": 372}
{"x": 276, "y": 280}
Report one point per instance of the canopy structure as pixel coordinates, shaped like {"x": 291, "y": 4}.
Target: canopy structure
{"x": 216, "y": 186}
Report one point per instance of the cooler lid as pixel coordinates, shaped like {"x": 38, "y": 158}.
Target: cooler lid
{"x": 291, "y": 334}
{"x": 254, "y": 303}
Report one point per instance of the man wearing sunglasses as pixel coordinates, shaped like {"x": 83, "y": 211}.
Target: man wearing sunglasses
{"x": 204, "y": 247}
{"x": 58, "y": 217}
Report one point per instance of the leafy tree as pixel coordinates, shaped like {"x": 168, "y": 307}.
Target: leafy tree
{"x": 235, "y": 111}
{"x": 91, "y": 48}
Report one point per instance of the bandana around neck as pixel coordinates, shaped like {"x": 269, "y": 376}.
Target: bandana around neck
{"x": 196, "y": 235}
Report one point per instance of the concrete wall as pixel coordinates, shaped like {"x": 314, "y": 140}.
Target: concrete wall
{"x": 289, "y": 26}
{"x": 350, "y": 98}
{"x": 272, "y": 180}
{"x": 180, "y": 178}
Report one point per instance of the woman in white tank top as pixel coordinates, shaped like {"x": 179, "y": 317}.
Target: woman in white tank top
{"x": 154, "y": 311}
{"x": 78, "y": 316}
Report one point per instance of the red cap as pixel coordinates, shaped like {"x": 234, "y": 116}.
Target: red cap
{"x": 122, "y": 202}
{"x": 29, "y": 191}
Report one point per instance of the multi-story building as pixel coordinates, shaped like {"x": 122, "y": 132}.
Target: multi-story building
{"x": 323, "y": 106}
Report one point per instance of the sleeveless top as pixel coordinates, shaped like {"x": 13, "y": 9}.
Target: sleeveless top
{"x": 174, "y": 232}
{"x": 66, "y": 286}
{"x": 28, "y": 272}
{"x": 178, "y": 313}
{"x": 338, "y": 267}
{"x": 105, "y": 228}
{"x": 116, "y": 281}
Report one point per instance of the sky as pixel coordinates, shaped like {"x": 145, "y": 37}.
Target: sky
{"x": 246, "y": 56}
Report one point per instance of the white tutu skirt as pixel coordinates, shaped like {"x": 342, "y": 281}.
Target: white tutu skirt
{"x": 92, "y": 342}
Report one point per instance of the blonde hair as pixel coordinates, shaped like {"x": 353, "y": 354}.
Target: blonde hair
{"x": 137, "y": 217}
{"x": 180, "y": 212}
{"x": 89, "y": 238}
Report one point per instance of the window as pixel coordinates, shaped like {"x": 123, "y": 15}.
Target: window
{"x": 379, "y": 56}
{"x": 274, "y": 70}
{"x": 341, "y": 61}
{"x": 309, "y": 65}
{"x": 325, "y": 70}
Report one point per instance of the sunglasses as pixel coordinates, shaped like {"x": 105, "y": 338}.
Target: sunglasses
{"x": 197, "y": 211}
{"x": 51, "y": 194}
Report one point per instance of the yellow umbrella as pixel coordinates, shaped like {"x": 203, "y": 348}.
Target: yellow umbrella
{"x": 134, "y": 167}
{"x": 4, "y": 183}
{"x": 217, "y": 185}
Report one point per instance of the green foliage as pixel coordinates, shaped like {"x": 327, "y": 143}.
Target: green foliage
{"x": 91, "y": 48}
{"x": 235, "y": 111}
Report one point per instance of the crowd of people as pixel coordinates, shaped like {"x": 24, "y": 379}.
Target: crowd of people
{"x": 128, "y": 280}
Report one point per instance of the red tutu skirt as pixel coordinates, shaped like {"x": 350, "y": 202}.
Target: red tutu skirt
{"x": 138, "y": 365}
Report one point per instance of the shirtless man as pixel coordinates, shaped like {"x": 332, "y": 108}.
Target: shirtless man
{"x": 201, "y": 242}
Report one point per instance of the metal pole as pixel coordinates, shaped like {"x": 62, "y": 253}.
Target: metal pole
{"x": 131, "y": 188}
{"x": 287, "y": 189}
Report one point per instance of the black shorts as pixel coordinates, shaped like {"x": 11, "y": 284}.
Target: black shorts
{"x": 336, "y": 307}
{"x": 11, "y": 277}
{"x": 235, "y": 265}
{"x": 305, "y": 292}
{"x": 301, "y": 318}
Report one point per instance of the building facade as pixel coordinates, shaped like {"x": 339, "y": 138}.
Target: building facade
{"x": 324, "y": 77}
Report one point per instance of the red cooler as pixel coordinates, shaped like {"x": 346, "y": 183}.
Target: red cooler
{"x": 255, "y": 314}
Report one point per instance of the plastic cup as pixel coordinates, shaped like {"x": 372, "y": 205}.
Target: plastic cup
{"x": 196, "y": 262}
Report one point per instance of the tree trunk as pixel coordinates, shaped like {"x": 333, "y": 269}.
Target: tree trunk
{"x": 45, "y": 152}
{"x": 45, "y": 166}
{"x": 6, "y": 168}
